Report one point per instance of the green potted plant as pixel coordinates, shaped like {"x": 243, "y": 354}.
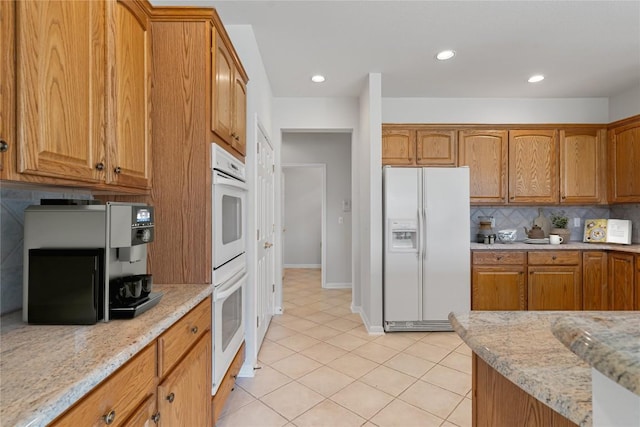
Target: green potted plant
{"x": 559, "y": 222}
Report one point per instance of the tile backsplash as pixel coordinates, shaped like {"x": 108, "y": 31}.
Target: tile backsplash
{"x": 13, "y": 202}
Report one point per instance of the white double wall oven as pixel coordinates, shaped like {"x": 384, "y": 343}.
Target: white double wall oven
{"x": 229, "y": 197}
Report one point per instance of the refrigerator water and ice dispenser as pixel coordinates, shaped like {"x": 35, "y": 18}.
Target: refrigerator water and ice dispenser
{"x": 403, "y": 235}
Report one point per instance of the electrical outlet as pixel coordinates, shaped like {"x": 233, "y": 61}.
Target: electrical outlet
{"x": 576, "y": 222}
{"x": 493, "y": 222}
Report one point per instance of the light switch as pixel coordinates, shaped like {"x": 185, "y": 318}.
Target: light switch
{"x": 346, "y": 206}
{"x": 576, "y": 222}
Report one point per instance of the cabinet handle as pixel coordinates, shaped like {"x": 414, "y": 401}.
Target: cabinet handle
{"x": 171, "y": 397}
{"x": 156, "y": 417}
{"x": 110, "y": 417}
{"x": 117, "y": 169}
{"x": 554, "y": 257}
{"x": 3, "y": 146}
{"x": 512, "y": 197}
{"x": 237, "y": 138}
{"x": 564, "y": 197}
{"x": 498, "y": 258}
{"x": 100, "y": 166}
{"x": 194, "y": 330}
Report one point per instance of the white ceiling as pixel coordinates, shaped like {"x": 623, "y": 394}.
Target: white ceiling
{"x": 584, "y": 48}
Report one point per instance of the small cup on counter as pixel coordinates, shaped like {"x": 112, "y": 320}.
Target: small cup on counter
{"x": 555, "y": 239}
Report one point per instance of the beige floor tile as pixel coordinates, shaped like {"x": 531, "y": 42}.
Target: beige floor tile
{"x": 292, "y": 400}
{"x": 285, "y": 319}
{"x": 352, "y": 365}
{"x": 355, "y": 317}
{"x": 296, "y": 365}
{"x": 321, "y": 332}
{"x": 362, "y": 399}
{"x": 375, "y": 352}
{"x": 253, "y": 414}
{"x": 448, "y": 424}
{"x": 410, "y": 365}
{"x": 342, "y": 324}
{"x": 298, "y": 342}
{"x": 321, "y": 317}
{"x": 326, "y": 380}
{"x": 449, "y": 379}
{"x": 346, "y": 341}
{"x": 461, "y": 416}
{"x": 319, "y": 306}
{"x": 328, "y": 413}
{"x": 362, "y": 333}
{"x": 277, "y": 332}
{"x": 458, "y": 361}
{"x": 414, "y": 335}
{"x": 401, "y": 414}
{"x": 431, "y": 398}
{"x": 426, "y": 351}
{"x": 302, "y": 311}
{"x": 265, "y": 381}
{"x": 388, "y": 380}
{"x": 236, "y": 400}
{"x": 272, "y": 352}
{"x": 391, "y": 340}
{"x": 323, "y": 352}
{"x": 341, "y": 310}
{"x": 301, "y": 325}
{"x": 464, "y": 349}
{"x": 447, "y": 340}
{"x": 369, "y": 424}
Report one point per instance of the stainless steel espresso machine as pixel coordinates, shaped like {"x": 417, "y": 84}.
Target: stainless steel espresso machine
{"x": 86, "y": 262}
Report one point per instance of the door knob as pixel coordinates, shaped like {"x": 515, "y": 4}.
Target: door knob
{"x": 267, "y": 245}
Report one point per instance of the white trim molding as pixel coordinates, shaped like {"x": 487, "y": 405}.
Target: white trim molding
{"x": 317, "y": 266}
{"x": 338, "y": 285}
{"x": 371, "y": 330}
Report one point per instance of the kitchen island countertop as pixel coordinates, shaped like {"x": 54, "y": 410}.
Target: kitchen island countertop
{"x": 573, "y": 245}
{"x": 46, "y": 369}
{"x": 522, "y": 347}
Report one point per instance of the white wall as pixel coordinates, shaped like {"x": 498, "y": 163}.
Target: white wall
{"x": 495, "y": 110}
{"x": 624, "y": 105}
{"x": 303, "y": 216}
{"x": 334, "y": 151}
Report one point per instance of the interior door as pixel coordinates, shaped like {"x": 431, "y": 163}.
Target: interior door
{"x": 265, "y": 236}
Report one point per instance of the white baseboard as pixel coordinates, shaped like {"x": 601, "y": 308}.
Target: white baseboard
{"x": 372, "y": 330}
{"x": 337, "y": 285}
{"x": 247, "y": 370}
{"x": 302, "y": 265}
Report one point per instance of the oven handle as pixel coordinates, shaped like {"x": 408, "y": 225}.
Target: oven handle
{"x": 219, "y": 295}
{"x": 220, "y": 179}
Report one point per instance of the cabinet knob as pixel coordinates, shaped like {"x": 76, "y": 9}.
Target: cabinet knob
{"x": 554, "y": 257}
{"x": 564, "y": 197}
{"x": 156, "y": 417}
{"x": 499, "y": 257}
{"x": 110, "y": 417}
{"x": 512, "y": 197}
{"x": 171, "y": 397}
{"x": 100, "y": 166}
{"x": 117, "y": 169}
{"x": 194, "y": 330}
{"x": 3, "y": 146}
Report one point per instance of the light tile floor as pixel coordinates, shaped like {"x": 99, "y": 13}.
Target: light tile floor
{"x": 319, "y": 367}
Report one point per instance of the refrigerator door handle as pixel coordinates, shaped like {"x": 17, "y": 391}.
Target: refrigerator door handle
{"x": 423, "y": 233}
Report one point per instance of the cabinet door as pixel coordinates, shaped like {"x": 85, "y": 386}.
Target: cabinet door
{"x": 581, "y": 166}
{"x": 624, "y": 158}
{"x": 436, "y": 147}
{"x": 184, "y": 397}
{"x": 637, "y": 290}
{"x": 398, "y": 147}
{"x": 223, "y": 90}
{"x": 594, "y": 280}
{"x": 485, "y": 152}
{"x": 498, "y": 288}
{"x": 61, "y": 75}
{"x": 7, "y": 90}
{"x": 129, "y": 141}
{"x": 144, "y": 415}
{"x": 555, "y": 288}
{"x": 533, "y": 169}
{"x": 239, "y": 134}
{"x": 621, "y": 281}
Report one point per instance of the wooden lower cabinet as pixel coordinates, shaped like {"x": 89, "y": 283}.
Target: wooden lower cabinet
{"x": 499, "y": 402}
{"x": 554, "y": 288}
{"x": 145, "y": 415}
{"x": 594, "y": 280}
{"x": 498, "y": 288}
{"x": 621, "y": 281}
{"x": 227, "y": 386}
{"x": 637, "y": 304}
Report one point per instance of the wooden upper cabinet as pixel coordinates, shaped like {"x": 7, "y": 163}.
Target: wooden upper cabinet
{"x": 61, "y": 88}
{"x": 222, "y": 110}
{"x": 533, "y": 168}
{"x": 582, "y": 166}
{"x": 436, "y": 147}
{"x": 239, "y": 133}
{"x": 398, "y": 147}
{"x": 7, "y": 89}
{"x": 624, "y": 158}
{"x": 486, "y": 154}
{"x": 129, "y": 97}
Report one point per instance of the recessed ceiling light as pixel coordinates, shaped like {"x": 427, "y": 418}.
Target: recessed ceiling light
{"x": 317, "y": 78}
{"x": 536, "y": 78}
{"x": 445, "y": 54}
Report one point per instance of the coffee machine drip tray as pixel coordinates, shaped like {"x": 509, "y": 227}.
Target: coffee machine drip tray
{"x": 135, "y": 308}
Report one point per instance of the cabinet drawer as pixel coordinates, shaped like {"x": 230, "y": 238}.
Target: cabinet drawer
{"x": 178, "y": 339}
{"x": 499, "y": 257}
{"x": 554, "y": 258}
{"x": 119, "y": 395}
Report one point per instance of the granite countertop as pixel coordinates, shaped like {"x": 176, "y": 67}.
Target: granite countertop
{"x": 574, "y": 245}
{"x": 46, "y": 369}
{"x": 609, "y": 343}
{"x": 522, "y": 347}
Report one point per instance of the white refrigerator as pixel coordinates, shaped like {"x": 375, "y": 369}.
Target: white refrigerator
{"x": 426, "y": 250}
